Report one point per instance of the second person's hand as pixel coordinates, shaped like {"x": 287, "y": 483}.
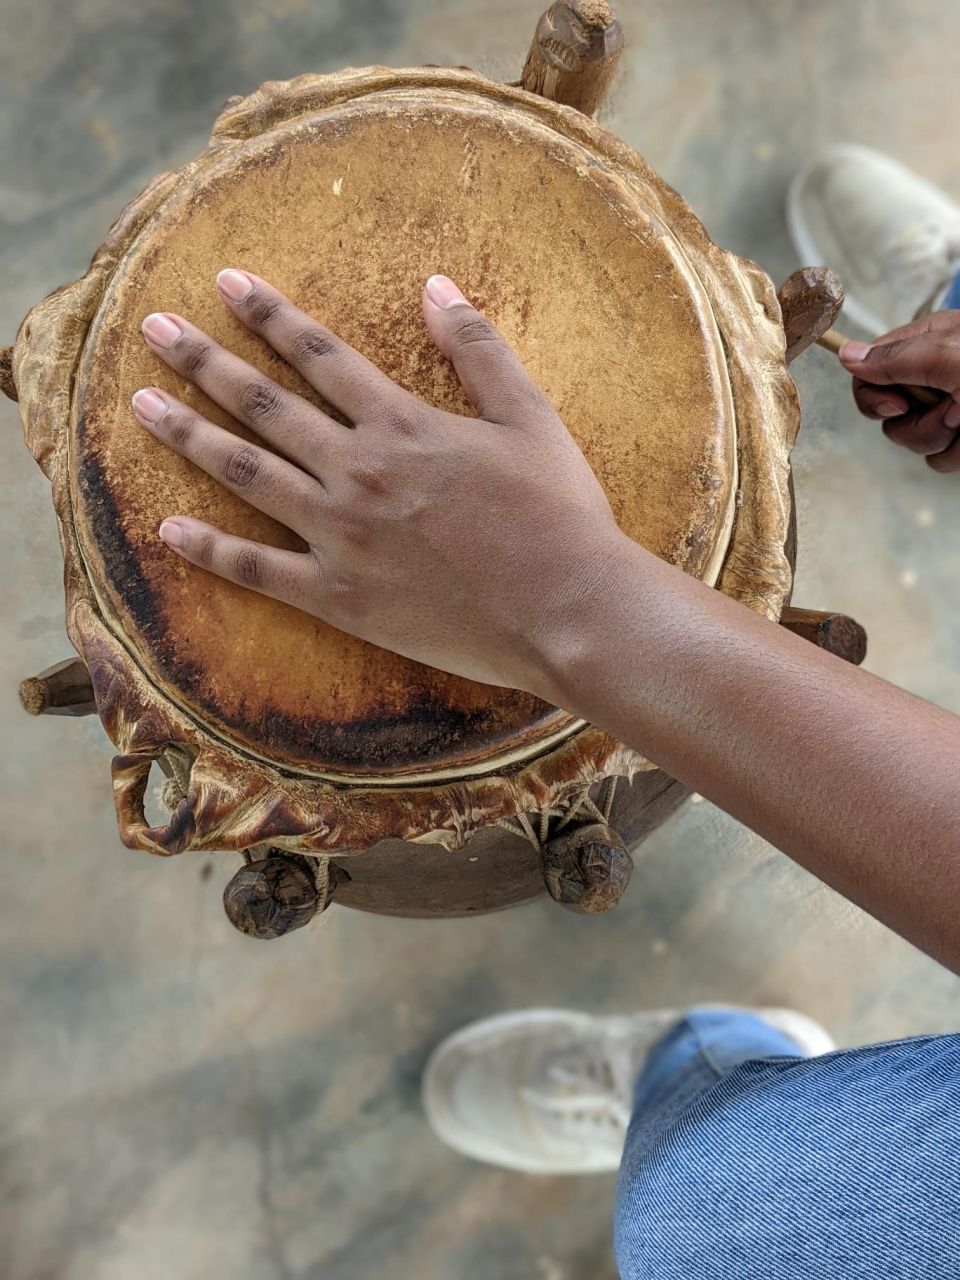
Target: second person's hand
{"x": 924, "y": 353}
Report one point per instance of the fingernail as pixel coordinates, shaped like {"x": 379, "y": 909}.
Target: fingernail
{"x": 161, "y": 330}
{"x": 149, "y": 406}
{"x": 853, "y": 352}
{"x": 951, "y": 419}
{"x": 171, "y": 533}
{"x": 235, "y": 284}
{"x": 887, "y": 409}
{"x": 443, "y": 293}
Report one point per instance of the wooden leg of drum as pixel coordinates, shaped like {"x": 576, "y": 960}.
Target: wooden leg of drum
{"x": 810, "y": 301}
{"x": 834, "y": 632}
{"x": 278, "y": 894}
{"x": 587, "y": 868}
{"x": 61, "y": 690}
{"x": 575, "y": 51}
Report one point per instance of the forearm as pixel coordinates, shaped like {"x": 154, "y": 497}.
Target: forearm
{"x": 850, "y": 776}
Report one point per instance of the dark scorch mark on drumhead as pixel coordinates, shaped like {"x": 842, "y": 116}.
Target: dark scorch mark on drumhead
{"x": 383, "y": 739}
{"x": 122, "y": 564}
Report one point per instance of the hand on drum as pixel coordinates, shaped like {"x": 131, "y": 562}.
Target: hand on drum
{"x": 460, "y": 542}
{"x": 925, "y": 353}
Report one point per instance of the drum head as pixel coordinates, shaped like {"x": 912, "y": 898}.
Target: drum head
{"x": 348, "y": 209}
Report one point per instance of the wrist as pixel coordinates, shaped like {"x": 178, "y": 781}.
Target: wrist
{"x": 571, "y": 638}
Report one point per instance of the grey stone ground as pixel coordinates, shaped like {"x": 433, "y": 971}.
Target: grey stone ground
{"x": 180, "y": 1102}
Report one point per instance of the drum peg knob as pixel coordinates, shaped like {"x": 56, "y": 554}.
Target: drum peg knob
{"x": 277, "y": 894}
{"x": 810, "y": 301}
{"x": 834, "y": 632}
{"x": 7, "y": 384}
{"x": 574, "y": 54}
{"x": 62, "y": 690}
{"x": 587, "y": 868}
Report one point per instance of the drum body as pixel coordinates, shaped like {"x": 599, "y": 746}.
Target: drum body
{"x": 419, "y": 793}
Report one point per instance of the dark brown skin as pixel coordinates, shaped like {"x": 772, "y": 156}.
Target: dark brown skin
{"x": 925, "y": 353}
{"x": 446, "y": 539}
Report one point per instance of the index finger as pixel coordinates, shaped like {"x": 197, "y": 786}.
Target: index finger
{"x": 345, "y": 378}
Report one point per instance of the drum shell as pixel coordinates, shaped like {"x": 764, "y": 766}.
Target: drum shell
{"x": 494, "y": 869}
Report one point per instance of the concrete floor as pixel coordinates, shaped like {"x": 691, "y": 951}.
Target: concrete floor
{"x": 180, "y": 1101}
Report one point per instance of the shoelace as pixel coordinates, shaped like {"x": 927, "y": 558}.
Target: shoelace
{"x": 590, "y": 1085}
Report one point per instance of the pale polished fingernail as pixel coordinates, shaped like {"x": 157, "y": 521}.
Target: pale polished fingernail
{"x": 951, "y": 419}
{"x": 149, "y": 405}
{"x": 854, "y": 352}
{"x": 172, "y": 533}
{"x": 235, "y": 284}
{"x": 161, "y": 330}
{"x": 887, "y": 409}
{"x": 443, "y": 293}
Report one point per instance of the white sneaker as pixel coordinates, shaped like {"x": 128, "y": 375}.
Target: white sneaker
{"x": 551, "y": 1090}
{"x": 893, "y": 238}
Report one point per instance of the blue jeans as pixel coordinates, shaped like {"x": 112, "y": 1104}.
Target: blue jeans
{"x": 744, "y": 1161}
{"x": 951, "y": 300}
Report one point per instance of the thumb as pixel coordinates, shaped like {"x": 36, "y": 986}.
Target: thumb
{"x": 930, "y": 359}
{"x": 487, "y": 366}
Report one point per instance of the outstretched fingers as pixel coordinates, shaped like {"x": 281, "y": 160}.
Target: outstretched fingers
{"x": 269, "y": 483}
{"x": 286, "y": 421}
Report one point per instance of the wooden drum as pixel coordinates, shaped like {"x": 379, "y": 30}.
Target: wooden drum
{"x": 341, "y": 771}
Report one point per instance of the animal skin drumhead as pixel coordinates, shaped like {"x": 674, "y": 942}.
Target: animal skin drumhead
{"x": 348, "y": 210}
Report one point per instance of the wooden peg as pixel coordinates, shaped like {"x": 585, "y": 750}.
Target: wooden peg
{"x": 810, "y": 301}
{"x": 276, "y": 895}
{"x": 587, "y": 868}
{"x": 834, "y": 632}
{"x": 7, "y": 384}
{"x": 575, "y": 51}
{"x": 833, "y": 341}
{"x": 61, "y": 690}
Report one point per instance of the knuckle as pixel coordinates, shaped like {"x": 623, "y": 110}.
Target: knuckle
{"x": 313, "y": 343}
{"x": 195, "y": 358}
{"x": 248, "y": 566}
{"x": 946, "y": 461}
{"x": 884, "y": 359}
{"x": 902, "y": 431}
{"x": 263, "y": 310}
{"x": 370, "y": 476}
{"x": 204, "y": 550}
{"x": 259, "y": 401}
{"x": 242, "y": 468}
{"x": 398, "y": 422}
{"x": 181, "y": 431}
{"x": 475, "y": 329}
